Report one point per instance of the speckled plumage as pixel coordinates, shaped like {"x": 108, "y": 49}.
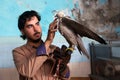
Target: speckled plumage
{"x": 73, "y": 32}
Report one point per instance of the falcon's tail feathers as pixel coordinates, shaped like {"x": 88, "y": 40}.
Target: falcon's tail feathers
{"x": 81, "y": 47}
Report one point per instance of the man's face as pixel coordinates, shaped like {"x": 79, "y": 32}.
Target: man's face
{"x": 32, "y": 29}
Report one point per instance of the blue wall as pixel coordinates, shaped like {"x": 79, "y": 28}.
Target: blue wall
{"x": 11, "y": 9}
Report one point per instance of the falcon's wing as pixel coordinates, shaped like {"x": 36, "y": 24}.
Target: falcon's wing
{"x": 81, "y": 30}
{"x": 81, "y": 47}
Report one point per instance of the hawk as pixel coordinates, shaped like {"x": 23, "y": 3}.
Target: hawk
{"x": 73, "y": 32}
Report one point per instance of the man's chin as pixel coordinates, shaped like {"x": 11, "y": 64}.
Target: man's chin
{"x": 35, "y": 40}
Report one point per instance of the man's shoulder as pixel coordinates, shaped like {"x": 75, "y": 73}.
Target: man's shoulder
{"x": 18, "y": 49}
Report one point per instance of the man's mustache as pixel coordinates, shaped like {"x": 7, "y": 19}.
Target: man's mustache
{"x": 36, "y": 33}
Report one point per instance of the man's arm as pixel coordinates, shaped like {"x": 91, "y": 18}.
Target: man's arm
{"x": 62, "y": 56}
{"x": 51, "y": 34}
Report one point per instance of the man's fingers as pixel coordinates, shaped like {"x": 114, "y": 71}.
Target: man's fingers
{"x": 53, "y": 30}
{"x": 53, "y": 26}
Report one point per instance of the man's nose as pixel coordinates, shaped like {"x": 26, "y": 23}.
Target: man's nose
{"x": 35, "y": 28}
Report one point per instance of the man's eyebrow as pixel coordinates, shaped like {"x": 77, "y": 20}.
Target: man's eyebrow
{"x": 28, "y": 25}
{"x": 37, "y": 22}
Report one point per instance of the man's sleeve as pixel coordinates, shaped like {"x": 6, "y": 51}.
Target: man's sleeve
{"x": 27, "y": 65}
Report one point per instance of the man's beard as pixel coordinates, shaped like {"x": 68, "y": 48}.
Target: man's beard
{"x": 37, "y": 40}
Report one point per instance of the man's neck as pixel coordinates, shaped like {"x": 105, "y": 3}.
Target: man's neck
{"x": 34, "y": 44}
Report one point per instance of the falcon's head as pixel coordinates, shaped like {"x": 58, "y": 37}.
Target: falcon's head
{"x": 60, "y": 14}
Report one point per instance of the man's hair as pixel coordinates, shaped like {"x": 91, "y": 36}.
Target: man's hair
{"x": 27, "y": 15}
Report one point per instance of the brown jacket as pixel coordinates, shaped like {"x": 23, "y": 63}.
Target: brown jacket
{"x": 32, "y": 67}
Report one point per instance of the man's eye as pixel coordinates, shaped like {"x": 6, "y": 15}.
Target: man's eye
{"x": 29, "y": 26}
{"x": 37, "y": 23}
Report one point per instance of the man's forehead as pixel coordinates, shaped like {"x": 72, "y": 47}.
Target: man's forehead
{"x": 31, "y": 18}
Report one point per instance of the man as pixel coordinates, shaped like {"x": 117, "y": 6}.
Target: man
{"x": 33, "y": 60}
